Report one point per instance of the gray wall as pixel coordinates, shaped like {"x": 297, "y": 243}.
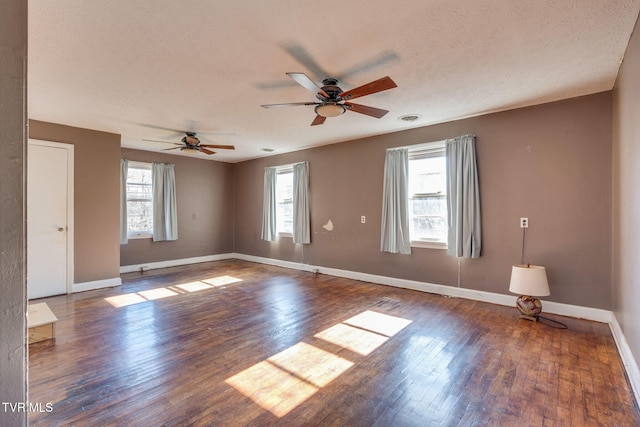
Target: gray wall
{"x": 13, "y": 349}
{"x": 626, "y": 207}
{"x": 550, "y": 163}
{"x": 96, "y": 197}
{"x": 205, "y": 211}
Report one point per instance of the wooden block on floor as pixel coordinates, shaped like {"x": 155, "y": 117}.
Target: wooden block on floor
{"x": 41, "y": 322}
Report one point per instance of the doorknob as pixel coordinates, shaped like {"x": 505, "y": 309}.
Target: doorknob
{"x": 60, "y": 229}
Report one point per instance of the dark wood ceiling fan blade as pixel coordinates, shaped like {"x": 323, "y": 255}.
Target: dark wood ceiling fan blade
{"x": 369, "y": 88}
{"x": 303, "y": 80}
{"x": 318, "y": 120}
{"x": 289, "y": 104}
{"x": 173, "y": 148}
{"x": 364, "y": 109}
{"x": 225, "y": 147}
{"x": 204, "y": 150}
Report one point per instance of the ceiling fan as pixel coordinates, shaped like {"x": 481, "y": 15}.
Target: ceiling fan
{"x": 333, "y": 100}
{"x": 190, "y": 142}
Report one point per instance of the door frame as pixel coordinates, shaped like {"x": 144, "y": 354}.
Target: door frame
{"x": 70, "y": 203}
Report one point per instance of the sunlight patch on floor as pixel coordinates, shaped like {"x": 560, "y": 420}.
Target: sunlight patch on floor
{"x": 283, "y": 381}
{"x": 193, "y": 286}
{"x": 310, "y": 363}
{"x": 221, "y": 281}
{"x": 383, "y": 324}
{"x": 354, "y": 339}
{"x": 158, "y": 293}
{"x": 272, "y": 388}
{"x": 124, "y": 300}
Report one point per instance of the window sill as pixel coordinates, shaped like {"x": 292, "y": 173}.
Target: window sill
{"x": 282, "y": 234}
{"x": 428, "y": 245}
{"x": 140, "y": 236}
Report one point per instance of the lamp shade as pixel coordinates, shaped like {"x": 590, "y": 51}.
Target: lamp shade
{"x": 529, "y": 280}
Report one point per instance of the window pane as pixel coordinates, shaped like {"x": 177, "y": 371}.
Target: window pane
{"x": 427, "y": 175}
{"x": 284, "y": 205}
{"x": 427, "y": 199}
{"x": 139, "y": 216}
{"x": 428, "y": 218}
{"x": 139, "y": 200}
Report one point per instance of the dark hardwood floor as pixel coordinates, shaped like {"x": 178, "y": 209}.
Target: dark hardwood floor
{"x": 234, "y": 343}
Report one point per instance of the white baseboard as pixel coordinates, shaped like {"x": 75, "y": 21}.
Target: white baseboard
{"x": 174, "y": 262}
{"x": 96, "y": 284}
{"x": 588, "y": 313}
{"x": 629, "y": 362}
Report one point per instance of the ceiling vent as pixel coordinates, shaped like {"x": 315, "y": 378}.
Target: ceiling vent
{"x": 409, "y": 117}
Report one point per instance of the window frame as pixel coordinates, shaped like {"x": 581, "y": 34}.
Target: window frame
{"x": 146, "y": 234}
{"x": 282, "y": 170}
{"x": 421, "y": 151}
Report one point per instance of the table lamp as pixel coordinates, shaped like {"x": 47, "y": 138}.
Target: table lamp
{"x": 530, "y": 281}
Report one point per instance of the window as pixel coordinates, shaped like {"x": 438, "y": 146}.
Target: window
{"x": 428, "y": 195}
{"x": 284, "y": 200}
{"x": 139, "y": 200}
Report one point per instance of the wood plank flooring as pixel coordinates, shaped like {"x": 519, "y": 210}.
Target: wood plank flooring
{"x": 233, "y": 343}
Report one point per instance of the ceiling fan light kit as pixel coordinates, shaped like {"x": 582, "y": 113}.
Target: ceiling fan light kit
{"x": 330, "y": 110}
{"x": 331, "y": 99}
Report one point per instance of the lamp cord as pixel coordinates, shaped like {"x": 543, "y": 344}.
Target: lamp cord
{"x": 562, "y": 325}
{"x": 524, "y": 232}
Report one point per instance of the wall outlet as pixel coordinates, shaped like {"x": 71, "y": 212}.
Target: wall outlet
{"x": 363, "y": 219}
{"x": 524, "y": 222}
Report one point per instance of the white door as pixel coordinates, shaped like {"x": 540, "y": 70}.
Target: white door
{"x": 49, "y": 218}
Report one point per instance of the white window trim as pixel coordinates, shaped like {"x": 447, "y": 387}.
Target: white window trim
{"x": 282, "y": 169}
{"x": 416, "y": 151}
{"x": 136, "y": 234}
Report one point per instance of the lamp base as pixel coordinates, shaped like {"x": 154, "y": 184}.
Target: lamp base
{"x": 529, "y": 306}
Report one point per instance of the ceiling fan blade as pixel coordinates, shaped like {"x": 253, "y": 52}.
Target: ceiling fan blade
{"x": 303, "y": 80}
{"x": 369, "y": 88}
{"x": 363, "y": 109}
{"x": 382, "y": 59}
{"x": 289, "y": 104}
{"x": 176, "y": 132}
{"x": 318, "y": 120}
{"x": 204, "y": 150}
{"x": 225, "y": 147}
{"x": 173, "y": 148}
{"x": 164, "y": 142}
{"x": 301, "y": 55}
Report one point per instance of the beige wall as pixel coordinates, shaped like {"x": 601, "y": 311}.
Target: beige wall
{"x": 626, "y": 206}
{"x": 13, "y": 299}
{"x": 550, "y": 163}
{"x": 96, "y": 197}
{"x": 204, "y": 191}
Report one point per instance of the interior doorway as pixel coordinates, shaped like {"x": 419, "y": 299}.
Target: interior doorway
{"x": 49, "y": 218}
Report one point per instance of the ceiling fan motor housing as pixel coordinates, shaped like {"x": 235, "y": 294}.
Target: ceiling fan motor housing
{"x": 330, "y": 86}
{"x": 191, "y": 139}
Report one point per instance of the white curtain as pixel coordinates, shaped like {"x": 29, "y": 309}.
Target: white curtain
{"x": 124, "y": 172}
{"x": 269, "y": 205}
{"x": 165, "y": 209}
{"x": 463, "y": 198}
{"x": 301, "y": 231}
{"x": 395, "y": 203}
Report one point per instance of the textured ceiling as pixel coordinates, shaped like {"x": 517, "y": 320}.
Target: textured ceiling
{"x": 147, "y": 69}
